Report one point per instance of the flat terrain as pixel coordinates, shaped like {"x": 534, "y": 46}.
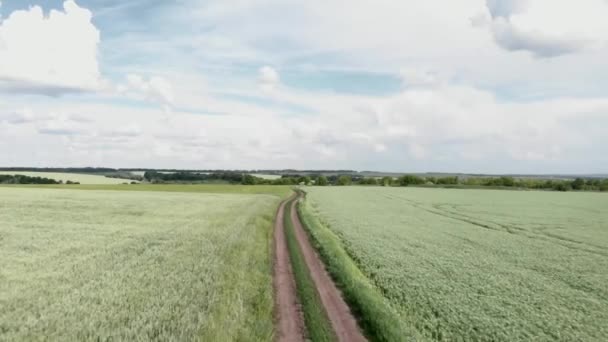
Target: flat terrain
{"x": 276, "y": 190}
{"x": 308, "y": 305}
{"x": 478, "y": 264}
{"x": 135, "y": 265}
{"x": 265, "y": 176}
{"x": 74, "y": 177}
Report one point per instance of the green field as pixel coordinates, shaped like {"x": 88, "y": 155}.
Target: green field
{"x": 265, "y": 176}
{"x": 74, "y": 177}
{"x": 468, "y": 265}
{"x": 276, "y": 190}
{"x": 136, "y": 265}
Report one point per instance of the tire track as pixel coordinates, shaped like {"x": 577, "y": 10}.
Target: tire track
{"x": 290, "y": 322}
{"x": 289, "y": 319}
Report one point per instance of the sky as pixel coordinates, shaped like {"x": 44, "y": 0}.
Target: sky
{"x": 487, "y": 86}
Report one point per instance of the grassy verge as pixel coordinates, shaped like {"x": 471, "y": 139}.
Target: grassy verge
{"x": 317, "y": 324}
{"x": 376, "y": 317}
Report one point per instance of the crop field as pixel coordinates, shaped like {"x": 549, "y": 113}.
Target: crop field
{"x": 74, "y": 177}
{"x": 474, "y": 265}
{"x": 266, "y": 176}
{"x": 276, "y": 190}
{"x": 136, "y": 265}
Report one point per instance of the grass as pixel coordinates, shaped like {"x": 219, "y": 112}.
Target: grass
{"x": 377, "y": 318}
{"x": 474, "y": 265}
{"x": 74, "y": 177}
{"x": 276, "y": 190}
{"x": 132, "y": 265}
{"x": 318, "y": 327}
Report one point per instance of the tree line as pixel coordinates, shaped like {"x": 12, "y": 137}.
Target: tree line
{"x": 578, "y": 184}
{"x": 193, "y": 177}
{"x": 21, "y": 179}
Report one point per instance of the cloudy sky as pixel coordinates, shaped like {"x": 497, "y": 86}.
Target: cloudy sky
{"x": 397, "y": 85}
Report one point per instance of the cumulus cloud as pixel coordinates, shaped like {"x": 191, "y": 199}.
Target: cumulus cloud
{"x": 446, "y": 118}
{"x": 419, "y": 77}
{"x": 127, "y": 131}
{"x": 154, "y": 89}
{"x": 268, "y": 78}
{"x": 51, "y": 54}
{"x": 63, "y": 128}
{"x": 545, "y": 28}
{"x": 447, "y": 127}
{"x": 17, "y": 117}
{"x": 511, "y": 38}
{"x": 505, "y": 8}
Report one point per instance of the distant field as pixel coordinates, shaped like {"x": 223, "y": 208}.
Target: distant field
{"x": 276, "y": 190}
{"x": 74, "y": 177}
{"x": 264, "y": 176}
{"x": 477, "y": 265}
{"x": 135, "y": 265}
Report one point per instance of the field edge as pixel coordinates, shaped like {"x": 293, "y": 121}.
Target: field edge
{"x": 318, "y": 326}
{"x": 378, "y": 319}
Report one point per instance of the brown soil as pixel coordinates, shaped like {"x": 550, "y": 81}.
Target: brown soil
{"x": 289, "y": 320}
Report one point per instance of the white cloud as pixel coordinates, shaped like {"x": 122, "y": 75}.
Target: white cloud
{"x": 546, "y": 28}
{"x": 126, "y": 131}
{"x": 505, "y": 8}
{"x": 61, "y": 125}
{"x": 446, "y": 127}
{"x": 458, "y": 109}
{"x": 155, "y": 89}
{"x": 51, "y": 54}
{"x": 268, "y": 78}
{"x": 17, "y": 117}
{"x": 419, "y": 77}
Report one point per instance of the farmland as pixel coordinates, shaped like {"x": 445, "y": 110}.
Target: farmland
{"x": 74, "y": 177}
{"x": 266, "y": 176}
{"x": 136, "y": 265}
{"x": 447, "y": 264}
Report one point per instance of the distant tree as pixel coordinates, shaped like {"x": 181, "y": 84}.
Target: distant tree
{"x": 507, "y": 181}
{"x": 304, "y": 180}
{"x": 321, "y": 181}
{"x": 578, "y": 184}
{"x": 561, "y": 186}
{"x": 593, "y": 182}
{"x": 447, "y": 180}
{"x": 410, "y": 180}
{"x": 604, "y": 185}
{"x": 248, "y": 180}
{"x": 20, "y": 179}
{"x": 368, "y": 181}
{"x": 344, "y": 180}
{"x": 386, "y": 181}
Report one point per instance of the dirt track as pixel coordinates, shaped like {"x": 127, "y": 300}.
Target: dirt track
{"x": 289, "y": 320}
{"x": 338, "y": 312}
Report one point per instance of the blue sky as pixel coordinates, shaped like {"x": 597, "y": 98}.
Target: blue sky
{"x": 515, "y": 86}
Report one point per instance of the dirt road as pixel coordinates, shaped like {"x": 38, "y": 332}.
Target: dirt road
{"x": 289, "y": 319}
{"x": 342, "y": 321}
